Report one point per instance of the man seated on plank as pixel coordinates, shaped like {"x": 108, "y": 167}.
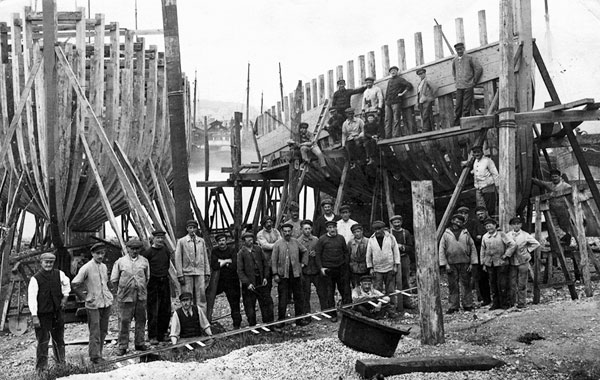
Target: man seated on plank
{"x": 378, "y": 307}
{"x": 188, "y": 321}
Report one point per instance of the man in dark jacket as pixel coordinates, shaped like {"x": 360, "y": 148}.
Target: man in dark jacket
{"x": 328, "y": 215}
{"x": 310, "y": 272}
{"x": 406, "y": 246}
{"x": 341, "y": 98}
{"x": 334, "y": 124}
{"x": 159, "y": 288}
{"x": 466, "y": 72}
{"x": 332, "y": 257}
{"x": 479, "y": 278}
{"x": 252, "y": 269}
{"x": 47, "y": 296}
{"x": 223, "y": 263}
{"x": 396, "y": 89}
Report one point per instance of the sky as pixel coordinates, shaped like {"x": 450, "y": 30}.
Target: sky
{"x": 310, "y": 37}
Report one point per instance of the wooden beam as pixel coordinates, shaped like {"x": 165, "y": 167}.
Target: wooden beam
{"x": 321, "y": 94}
{"x": 315, "y": 96}
{"x": 419, "y": 59}
{"x": 460, "y": 30}
{"x": 339, "y": 72}
{"x": 362, "y": 69}
{"x": 558, "y": 250}
{"x": 372, "y": 72}
{"x": 428, "y": 136}
{"x": 370, "y": 368}
{"x": 350, "y": 74}
{"x": 160, "y": 199}
{"x": 401, "y": 55}
{"x": 385, "y": 60}
{"x": 482, "y": 28}
{"x": 236, "y": 161}
{"x": 537, "y": 264}
{"x": 428, "y": 272}
{"x": 330, "y": 84}
{"x": 341, "y": 188}
{"x": 582, "y": 243}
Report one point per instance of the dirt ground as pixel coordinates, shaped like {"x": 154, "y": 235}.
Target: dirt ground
{"x": 570, "y": 348}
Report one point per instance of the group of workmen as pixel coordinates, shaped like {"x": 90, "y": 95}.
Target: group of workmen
{"x": 383, "y": 116}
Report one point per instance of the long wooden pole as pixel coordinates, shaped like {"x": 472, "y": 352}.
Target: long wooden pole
{"x": 206, "y": 164}
{"x": 507, "y": 188}
{"x": 280, "y": 86}
{"x": 247, "y": 124}
{"x": 195, "y": 97}
{"x": 179, "y": 154}
{"x": 236, "y": 162}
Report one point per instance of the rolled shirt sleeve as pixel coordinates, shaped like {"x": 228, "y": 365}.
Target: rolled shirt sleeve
{"x": 32, "y": 292}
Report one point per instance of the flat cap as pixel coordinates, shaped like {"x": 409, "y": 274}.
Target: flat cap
{"x": 47, "y": 256}
{"x": 490, "y": 221}
{"x": 344, "y": 208}
{"x": 477, "y": 147}
{"x": 158, "y": 233}
{"x": 294, "y": 206}
{"x": 421, "y": 71}
{"x": 265, "y": 220}
{"x": 185, "y": 296}
{"x": 378, "y": 224}
{"x": 369, "y": 79}
{"x": 306, "y": 221}
{"x": 220, "y": 236}
{"x": 459, "y": 217}
{"x": 555, "y": 172}
{"x": 330, "y": 223}
{"x": 459, "y": 44}
{"x": 395, "y": 217}
{"x": 247, "y": 234}
{"x": 341, "y": 81}
{"x": 349, "y": 109}
{"x": 191, "y": 222}
{"x": 134, "y": 243}
{"x": 480, "y": 208}
{"x": 393, "y": 68}
{"x": 327, "y": 201}
{"x": 463, "y": 209}
{"x": 284, "y": 225}
{"x": 516, "y": 220}
{"x": 98, "y": 247}
{"x": 355, "y": 227}
{"x": 366, "y": 278}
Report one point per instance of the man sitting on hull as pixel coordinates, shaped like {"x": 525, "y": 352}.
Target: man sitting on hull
{"x": 379, "y": 306}
{"x": 188, "y": 321}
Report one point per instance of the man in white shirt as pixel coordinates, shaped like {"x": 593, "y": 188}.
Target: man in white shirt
{"x": 344, "y": 225}
{"x": 485, "y": 177}
{"x": 189, "y": 321}
{"x": 372, "y": 100}
{"x": 353, "y": 137}
{"x": 47, "y": 296}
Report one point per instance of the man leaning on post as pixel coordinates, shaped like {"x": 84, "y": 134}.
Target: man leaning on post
{"x": 47, "y": 296}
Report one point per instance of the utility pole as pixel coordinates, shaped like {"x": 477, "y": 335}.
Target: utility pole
{"x": 181, "y": 185}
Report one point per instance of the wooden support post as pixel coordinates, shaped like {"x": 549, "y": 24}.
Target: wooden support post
{"x": 537, "y": 263}
{"x": 350, "y": 74}
{"x": 308, "y": 100}
{"x": 339, "y": 72}
{"x": 419, "y": 59}
{"x": 557, "y": 248}
{"x": 582, "y": 242}
{"x": 507, "y": 189}
{"x": 460, "y": 30}
{"x": 438, "y": 42}
{"x": 160, "y": 199}
{"x": 315, "y": 96}
{"x": 179, "y": 154}
{"x": 389, "y": 199}
{"x": 236, "y": 162}
{"x": 483, "y": 40}
{"x": 401, "y": 55}
{"x": 371, "y": 64}
{"x": 385, "y": 60}
{"x": 362, "y": 70}
{"x": 428, "y": 272}
{"x": 322, "y": 96}
{"x": 286, "y": 107}
{"x": 330, "y": 84}
{"x": 340, "y": 193}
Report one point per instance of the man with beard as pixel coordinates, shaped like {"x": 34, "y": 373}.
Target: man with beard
{"x": 223, "y": 262}
{"x": 310, "y": 272}
{"x": 159, "y": 288}
{"x": 266, "y": 238}
{"x": 397, "y": 87}
{"x": 479, "y": 277}
{"x": 406, "y": 246}
{"x": 383, "y": 258}
{"x": 341, "y": 98}
{"x": 189, "y": 321}
{"x": 328, "y": 216}
{"x": 485, "y": 178}
{"x": 294, "y": 219}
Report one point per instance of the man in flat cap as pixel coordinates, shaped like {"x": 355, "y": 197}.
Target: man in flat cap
{"x": 294, "y": 219}
{"x": 345, "y": 224}
{"x": 373, "y": 132}
{"x": 558, "y": 206}
{"x": 334, "y": 124}
{"x": 223, "y": 262}
{"x": 91, "y": 285}
{"x": 353, "y": 137}
{"x": 266, "y": 238}
{"x": 383, "y": 258}
{"x": 519, "y": 262}
{"x": 47, "y": 296}
{"x": 466, "y": 72}
{"x": 189, "y": 321}
{"x": 425, "y": 99}
{"x": 327, "y": 216}
{"x": 289, "y": 257}
{"x": 341, "y": 98}
{"x": 485, "y": 179}
{"x": 307, "y": 144}
{"x": 397, "y": 87}
{"x": 457, "y": 253}
{"x": 496, "y": 250}
{"x": 130, "y": 274}
{"x": 252, "y": 269}
{"x": 192, "y": 265}
{"x": 159, "y": 287}
{"x": 332, "y": 259}
{"x": 480, "y": 278}
{"x": 357, "y": 247}
{"x": 379, "y": 305}
{"x": 372, "y": 100}
{"x": 406, "y": 246}
{"x": 310, "y": 272}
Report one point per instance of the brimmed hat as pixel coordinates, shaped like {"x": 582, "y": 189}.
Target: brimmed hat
{"x": 330, "y": 223}
{"x": 158, "y": 233}
{"x": 378, "y": 224}
{"x": 477, "y": 147}
{"x": 306, "y": 221}
{"x": 395, "y": 217}
{"x": 490, "y": 220}
{"x": 366, "y": 277}
{"x": 134, "y": 243}
{"x": 459, "y": 44}
{"x": 516, "y": 220}
{"x": 555, "y": 171}
{"x": 463, "y": 208}
{"x": 98, "y": 247}
{"x": 393, "y": 68}
{"x": 344, "y": 208}
{"x": 185, "y": 296}
{"x": 355, "y": 227}
{"x": 191, "y": 222}
{"x": 47, "y": 256}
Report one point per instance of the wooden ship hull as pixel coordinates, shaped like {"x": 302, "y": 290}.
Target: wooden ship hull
{"x": 108, "y": 153}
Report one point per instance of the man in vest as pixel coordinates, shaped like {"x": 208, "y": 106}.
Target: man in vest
{"x": 47, "y": 295}
{"x": 130, "y": 274}
{"x": 91, "y": 285}
{"x": 188, "y": 321}
{"x": 406, "y": 246}
{"x": 192, "y": 265}
{"x": 357, "y": 247}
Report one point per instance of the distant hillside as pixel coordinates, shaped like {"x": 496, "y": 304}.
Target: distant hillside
{"x": 220, "y": 110}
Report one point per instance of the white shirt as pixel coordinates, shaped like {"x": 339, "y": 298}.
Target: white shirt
{"x": 32, "y": 291}
{"x": 343, "y": 228}
{"x": 484, "y": 172}
{"x": 372, "y": 99}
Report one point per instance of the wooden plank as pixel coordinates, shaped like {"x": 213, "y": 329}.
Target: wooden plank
{"x": 438, "y": 42}
{"x": 385, "y": 59}
{"x": 401, "y": 55}
{"x": 427, "y": 136}
{"x": 558, "y": 250}
{"x": 161, "y": 104}
{"x": 582, "y": 242}
{"x": 113, "y": 88}
{"x": 370, "y": 368}
{"x": 372, "y": 72}
{"x": 315, "y": 96}
{"x": 133, "y": 144}
{"x": 428, "y": 282}
{"x": 168, "y": 195}
{"x": 330, "y": 84}
{"x": 339, "y": 72}
{"x": 419, "y": 59}
{"x": 322, "y": 96}
{"x": 362, "y": 70}
{"x": 308, "y": 104}
{"x": 566, "y": 106}
{"x": 122, "y": 135}
{"x": 341, "y": 188}
{"x": 537, "y": 264}
{"x": 350, "y": 74}
{"x": 483, "y": 40}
